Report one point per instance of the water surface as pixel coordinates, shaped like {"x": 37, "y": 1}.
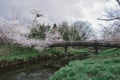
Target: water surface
{"x": 34, "y": 72}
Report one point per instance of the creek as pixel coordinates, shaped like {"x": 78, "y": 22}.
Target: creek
{"x": 37, "y": 69}
{"x": 29, "y": 72}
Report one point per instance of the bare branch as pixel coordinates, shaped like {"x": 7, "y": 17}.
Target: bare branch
{"x": 117, "y": 18}
{"x": 118, "y": 2}
{"x": 111, "y": 14}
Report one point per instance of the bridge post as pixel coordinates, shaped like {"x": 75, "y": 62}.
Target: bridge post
{"x": 96, "y": 47}
{"x": 96, "y": 50}
{"x": 65, "y": 49}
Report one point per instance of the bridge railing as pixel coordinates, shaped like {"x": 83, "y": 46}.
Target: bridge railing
{"x": 94, "y": 44}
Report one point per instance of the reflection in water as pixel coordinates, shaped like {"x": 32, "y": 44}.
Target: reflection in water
{"x": 41, "y": 73}
{"x": 37, "y": 75}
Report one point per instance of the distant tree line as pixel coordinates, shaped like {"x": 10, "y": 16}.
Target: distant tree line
{"x": 77, "y": 31}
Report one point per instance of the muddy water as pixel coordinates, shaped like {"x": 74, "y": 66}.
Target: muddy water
{"x": 34, "y": 72}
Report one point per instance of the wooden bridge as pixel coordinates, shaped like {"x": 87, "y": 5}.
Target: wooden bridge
{"x": 94, "y": 44}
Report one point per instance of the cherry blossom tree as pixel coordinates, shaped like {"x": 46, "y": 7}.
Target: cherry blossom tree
{"x": 13, "y": 32}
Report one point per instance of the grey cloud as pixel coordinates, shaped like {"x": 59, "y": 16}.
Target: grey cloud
{"x": 53, "y": 10}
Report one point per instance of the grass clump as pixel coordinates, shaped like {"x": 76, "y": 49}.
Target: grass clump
{"x": 90, "y": 70}
{"x": 105, "y": 66}
{"x": 53, "y": 51}
{"x": 108, "y": 53}
{"x": 12, "y": 52}
{"x": 17, "y": 52}
{"x": 79, "y": 51}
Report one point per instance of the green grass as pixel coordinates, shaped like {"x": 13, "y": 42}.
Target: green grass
{"x": 90, "y": 70}
{"x": 78, "y": 51}
{"x": 60, "y": 51}
{"x": 105, "y": 66}
{"x": 54, "y": 51}
{"x": 12, "y": 52}
{"x": 108, "y": 53}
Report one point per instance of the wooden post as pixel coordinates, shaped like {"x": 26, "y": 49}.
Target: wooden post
{"x": 96, "y": 48}
{"x": 65, "y": 50}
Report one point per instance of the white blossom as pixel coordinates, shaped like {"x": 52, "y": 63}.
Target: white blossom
{"x": 14, "y": 32}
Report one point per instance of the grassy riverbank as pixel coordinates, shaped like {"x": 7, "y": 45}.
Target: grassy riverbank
{"x": 105, "y": 66}
{"x": 12, "y": 52}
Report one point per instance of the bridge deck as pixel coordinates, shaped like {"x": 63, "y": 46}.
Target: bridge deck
{"x": 94, "y": 44}
{"x": 86, "y": 43}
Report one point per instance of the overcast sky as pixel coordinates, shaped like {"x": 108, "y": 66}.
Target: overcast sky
{"x": 56, "y": 11}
